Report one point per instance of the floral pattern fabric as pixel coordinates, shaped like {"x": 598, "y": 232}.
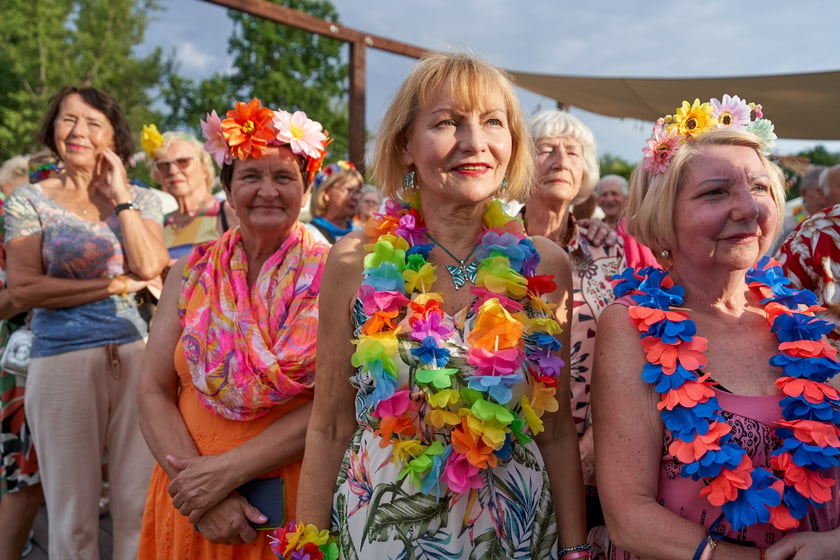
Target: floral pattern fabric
{"x": 592, "y": 268}
{"x": 810, "y": 257}
{"x": 379, "y": 513}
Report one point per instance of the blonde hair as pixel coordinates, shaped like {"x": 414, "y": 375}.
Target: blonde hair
{"x": 318, "y": 204}
{"x": 560, "y": 124}
{"x": 470, "y": 80}
{"x": 650, "y": 207}
{"x": 204, "y": 158}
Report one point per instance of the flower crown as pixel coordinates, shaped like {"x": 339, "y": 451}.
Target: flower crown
{"x": 250, "y": 129}
{"x": 327, "y": 172}
{"x": 691, "y": 120}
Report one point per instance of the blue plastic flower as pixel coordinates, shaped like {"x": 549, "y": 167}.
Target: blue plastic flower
{"x": 626, "y": 281}
{"x": 497, "y": 386}
{"x": 807, "y": 455}
{"x": 713, "y": 461}
{"x": 799, "y": 408}
{"x": 797, "y": 503}
{"x": 815, "y": 369}
{"x": 385, "y": 277}
{"x": 543, "y": 340}
{"x": 653, "y": 374}
{"x": 798, "y": 326}
{"x": 685, "y": 422}
{"x": 421, "y": 250}
{"x": 752, "y": 505}
{"x": 430, "y": 353}
{"x": 672, "y": 332}
{"x": 431, "y": 484}
{"x": 654, "y": 295}
{"x": 385, "y": 385}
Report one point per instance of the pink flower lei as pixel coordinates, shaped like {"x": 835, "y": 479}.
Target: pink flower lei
{"x": 476, "y": 412}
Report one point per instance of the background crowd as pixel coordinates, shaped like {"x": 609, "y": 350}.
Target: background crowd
{"x": 518, "y": 357}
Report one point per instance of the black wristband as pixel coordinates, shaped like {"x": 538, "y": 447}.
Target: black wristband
{"x": 125, "y": 206}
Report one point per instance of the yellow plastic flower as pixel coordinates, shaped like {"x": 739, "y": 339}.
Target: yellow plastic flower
{"x": 420, "y": 280}
{"x": 440, "y": 418}
{"x": 422, "y": 299}
{"x": 406, "y": 450}
{"x": 693, "y": 119}
{"x": 542, "y": 399}
{"x": 496, "y": 275}
{"x": 312, "y": 534}
{"x": 444, "y": 398}
{"x": 151, "y": 140}
{"x": 539, "y": 305}
{"x": 543, "y": 324}
{"x": 535, "y": 423}
{"x": 492, "y": 432}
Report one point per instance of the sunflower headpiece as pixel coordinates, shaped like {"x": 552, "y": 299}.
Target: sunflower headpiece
{"x": 250, "y": 129}
{"x": 692, "y": 119}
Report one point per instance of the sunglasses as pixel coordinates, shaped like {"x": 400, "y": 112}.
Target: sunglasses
{"x": 182, "y": 163}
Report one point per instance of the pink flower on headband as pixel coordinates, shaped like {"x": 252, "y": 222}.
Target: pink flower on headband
{"x": 660, "y": 149}
{"x": 304, "y": 136}
{"x": 216, "y": 144}
{"x": 731, "y": 111}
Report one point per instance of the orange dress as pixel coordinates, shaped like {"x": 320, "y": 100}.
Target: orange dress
{"x": 166, "y": 534}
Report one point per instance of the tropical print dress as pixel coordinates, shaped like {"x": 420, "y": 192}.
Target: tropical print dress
{"x": 379, "y": 513}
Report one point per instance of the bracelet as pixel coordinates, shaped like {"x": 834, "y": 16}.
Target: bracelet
{"x": 296, "y": 536}
{"x": 124, "y": 281}
{"x": 569, "y": 549}
{"x": 706, "y": 549}
{"x": 579, "y": 554}
{"x": 125, "y": 206}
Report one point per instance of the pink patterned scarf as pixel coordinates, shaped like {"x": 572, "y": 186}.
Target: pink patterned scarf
{"x": 250, "y": 348}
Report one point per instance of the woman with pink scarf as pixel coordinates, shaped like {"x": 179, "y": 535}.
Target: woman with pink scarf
{"x": 226, "y": 385}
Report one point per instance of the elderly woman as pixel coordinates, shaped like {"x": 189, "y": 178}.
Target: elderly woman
{"x": 449, "y": 437}
{"x": 79, "y": 245}
{"x": 183, "y": 168}
{"x": 567, "y": 161}
{"x": 369, "y": 203}
{"x": 715, "y": 425}
{"x": 334, "y": 201}
{"x": 226, "y": 386}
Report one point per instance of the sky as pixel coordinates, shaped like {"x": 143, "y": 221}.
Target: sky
{"x": 603, "y": 38}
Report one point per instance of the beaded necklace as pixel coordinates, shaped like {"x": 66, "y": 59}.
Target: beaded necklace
{"x": 472, "y": 414}
{"x": 809, "y": 432}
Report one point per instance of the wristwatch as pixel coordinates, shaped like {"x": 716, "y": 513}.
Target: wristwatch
{"x": 125, "y": 206}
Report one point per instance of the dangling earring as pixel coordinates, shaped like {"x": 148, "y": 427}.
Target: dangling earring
{"x": 664, "y": 253}
{"x": 505, "y": 184}
{"x": 408, "y": 181}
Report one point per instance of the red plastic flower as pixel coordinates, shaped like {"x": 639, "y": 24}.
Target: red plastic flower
{"x": 248, "y": 129}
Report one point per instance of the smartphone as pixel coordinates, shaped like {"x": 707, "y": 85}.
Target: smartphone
{"x": 269, "y": 496}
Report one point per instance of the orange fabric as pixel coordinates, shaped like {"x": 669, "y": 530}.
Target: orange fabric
{"x": 168, "y": 534}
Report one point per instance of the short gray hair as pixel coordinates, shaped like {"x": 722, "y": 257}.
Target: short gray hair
{"x": 624, "y": 184}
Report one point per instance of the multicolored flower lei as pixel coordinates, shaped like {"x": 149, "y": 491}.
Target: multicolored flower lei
{"x": 512, "y": 326}
{"x": 701, "y": 438}
{"x": 250, "y": 129}
{"x": 297, "y": 541}
{"x": 692, "y": 119}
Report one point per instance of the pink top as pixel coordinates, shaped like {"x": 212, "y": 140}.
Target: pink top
{"x": 752, "y": 420}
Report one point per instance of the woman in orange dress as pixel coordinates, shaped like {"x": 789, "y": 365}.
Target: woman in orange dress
{"x": 239, "y": 315}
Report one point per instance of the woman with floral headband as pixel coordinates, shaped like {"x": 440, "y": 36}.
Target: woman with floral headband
{"x": 335, "y": 197}
{"x": 717, "y": 430}
{"x": 453, "y": 437}
{"x": 226, "y": 386}
{"x": 184, "y": 169}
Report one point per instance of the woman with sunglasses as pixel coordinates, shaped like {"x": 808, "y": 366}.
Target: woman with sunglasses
{"x": 183, "y": 169}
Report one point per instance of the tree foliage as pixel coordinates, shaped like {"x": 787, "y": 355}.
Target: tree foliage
{"x": 286, "y": 68}
{"x": 614, "y": 165}
{"x": 45, "y": 44}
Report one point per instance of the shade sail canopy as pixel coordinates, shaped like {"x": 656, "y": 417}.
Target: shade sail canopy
{"x": 804, "y": 106}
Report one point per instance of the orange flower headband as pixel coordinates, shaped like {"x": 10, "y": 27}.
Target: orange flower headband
{"x": 250, "y": 129}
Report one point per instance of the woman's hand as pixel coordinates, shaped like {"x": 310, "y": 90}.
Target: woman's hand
{"x": 598, "y": 232}
{"x": 199, "y": 485}
{"x": 227, "y": 522}
{"x": 111, "y": 178}
{"x": 806, "y": 546}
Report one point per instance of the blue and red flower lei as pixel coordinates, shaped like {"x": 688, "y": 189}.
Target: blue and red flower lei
{"x": 809, "y": 431}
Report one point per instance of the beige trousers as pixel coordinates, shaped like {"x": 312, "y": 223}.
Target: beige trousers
{"x": 78, "y": 405}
